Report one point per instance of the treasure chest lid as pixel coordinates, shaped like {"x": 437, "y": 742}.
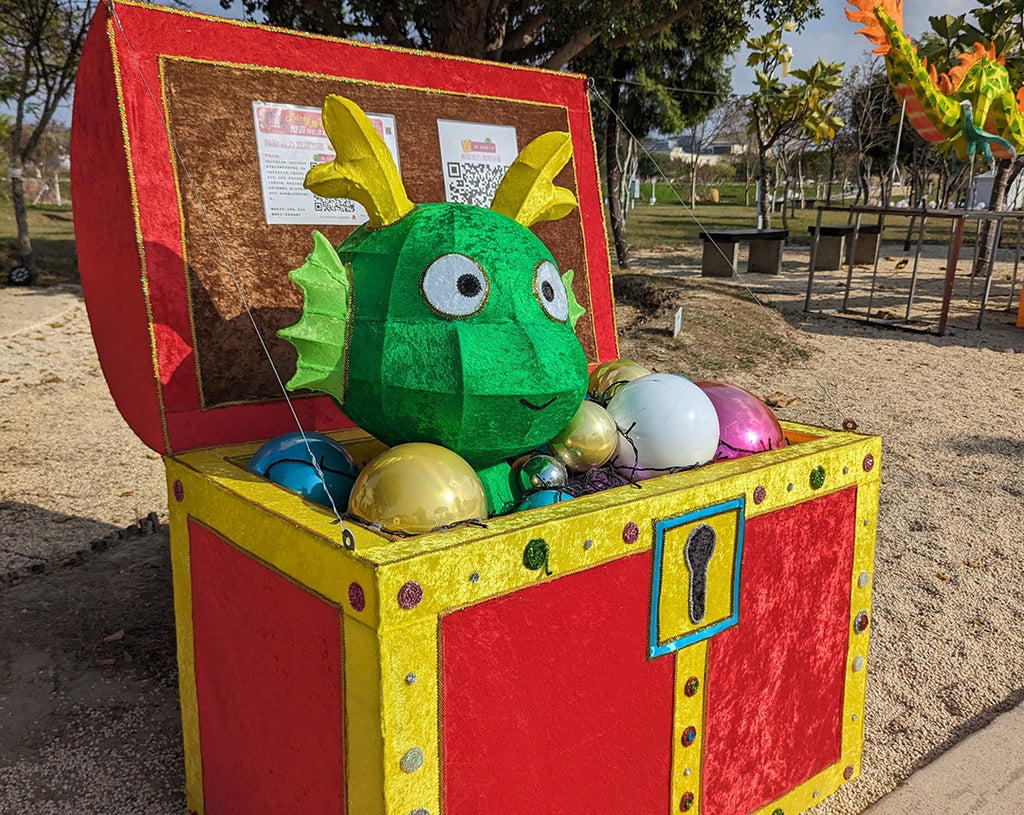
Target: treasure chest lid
{"x": 190, "y": 137}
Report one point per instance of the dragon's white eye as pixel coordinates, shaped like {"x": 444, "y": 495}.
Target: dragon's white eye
{"x": 550, "y": 291}
{"x": 455, "y": 286}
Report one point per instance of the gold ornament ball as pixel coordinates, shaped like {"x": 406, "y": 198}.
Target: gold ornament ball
{"x": 589, "y": 439}
{"x": 600, "y": 371}
{"x": 417, "y": 487}
{"x": 619, "y": 371}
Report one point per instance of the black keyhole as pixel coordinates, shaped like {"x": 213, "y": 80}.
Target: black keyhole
{"x": 700, "y": 546}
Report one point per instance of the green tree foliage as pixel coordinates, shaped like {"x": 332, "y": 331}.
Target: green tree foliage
{"x": 549, "y": 33}
{"x": 781, "y": 111}
{"x": 40, "y": 43}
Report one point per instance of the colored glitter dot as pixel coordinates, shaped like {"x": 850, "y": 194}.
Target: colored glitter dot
{"x": 689, "y": 736}
{"x": 817, "y": 478}
{"x": 846, "y": 470}
{"x": 760, "y": 493}
{"x": 692, "y": 685}
{"x": 860, "y": 622}
{"x": 588, "y": 544}
{"x": 356, "y": 597}
{"x": 789, "y": 486}
{"x": 410, "y": 594}
{"x": 778, "y": 812}
{"x": 869, "y": 463}
{"x": 412, "y": 760}
{"x": 535, "y": 555}
{"x": 858, "y": 663}
{"x": 179, "y": 492}
{"x": 410, "y": 678}
{"x": 474, "y": 578}
{"x": 687, "y": 802}
{"x": 848, "y": 772}
{"x": 631, "y": 532}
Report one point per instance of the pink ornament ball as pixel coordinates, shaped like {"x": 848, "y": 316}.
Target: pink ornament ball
{"x": 746, "y": 424}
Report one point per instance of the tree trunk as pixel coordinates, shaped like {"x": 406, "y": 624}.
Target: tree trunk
{"x": 785, "y": 202}
{"x": 831, "y": 172}
{"x": 764, "y": 204}
{"x": 694, "y": 157}
{"x": 996, "y": 203}
{"x": 614, "y": 176}
{"x": 28, "y": 258}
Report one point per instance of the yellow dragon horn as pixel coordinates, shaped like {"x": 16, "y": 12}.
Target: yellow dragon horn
{"x": 363, "y": 168}
{"x": 527, "y": 193}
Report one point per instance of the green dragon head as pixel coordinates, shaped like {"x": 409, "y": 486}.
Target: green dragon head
{"x": 441, "y": 322}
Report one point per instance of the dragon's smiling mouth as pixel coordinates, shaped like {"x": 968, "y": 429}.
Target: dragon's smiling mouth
{"x": 531, "y": 406}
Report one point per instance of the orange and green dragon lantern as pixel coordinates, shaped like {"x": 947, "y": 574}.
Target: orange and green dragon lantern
{"x": 971, "y": 108}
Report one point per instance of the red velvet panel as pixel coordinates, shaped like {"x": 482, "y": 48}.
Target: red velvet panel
{"x": 549, "y": 704}
{"x": 775, "y": 681}
{"x": 269, "y": 682}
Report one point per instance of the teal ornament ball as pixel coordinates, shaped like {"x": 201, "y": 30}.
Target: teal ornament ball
{"x": 543, "y": 498}
{"x": 287, "y": 460}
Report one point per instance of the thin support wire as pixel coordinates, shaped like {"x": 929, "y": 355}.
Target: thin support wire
{"x": 693, "y": 215}
{"x": 347, "y": 537}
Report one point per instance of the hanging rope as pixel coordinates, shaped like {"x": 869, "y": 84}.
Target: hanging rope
{"x": 348, "y": 539}
{"x": 848, "y": 423}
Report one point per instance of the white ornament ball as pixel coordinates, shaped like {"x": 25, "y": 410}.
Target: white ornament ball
{"x": 665, "y": 422}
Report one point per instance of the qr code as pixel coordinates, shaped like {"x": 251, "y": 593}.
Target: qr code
{"x": 473, "y": 182}
{"x": 333, "y": 204}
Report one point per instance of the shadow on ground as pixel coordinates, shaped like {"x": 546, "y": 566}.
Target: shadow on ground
{"x": 89, "y": 716}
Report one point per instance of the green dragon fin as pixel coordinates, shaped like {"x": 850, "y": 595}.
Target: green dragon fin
{"x": 321, "y": 335}
{"x": 575, "y": 309}
{"x": 527, "y": 193}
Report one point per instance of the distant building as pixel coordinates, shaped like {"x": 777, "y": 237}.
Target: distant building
{"x": 724, "y": 148}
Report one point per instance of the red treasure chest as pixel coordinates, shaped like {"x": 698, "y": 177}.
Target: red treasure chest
{"x": 695, "y": 643}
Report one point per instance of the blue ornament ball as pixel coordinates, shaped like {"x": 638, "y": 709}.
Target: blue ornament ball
{"x": 543, "y": 498}
{"x": 285, "y": 460}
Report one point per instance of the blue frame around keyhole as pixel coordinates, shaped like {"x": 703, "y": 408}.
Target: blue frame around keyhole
{"x": 656, "y": 649}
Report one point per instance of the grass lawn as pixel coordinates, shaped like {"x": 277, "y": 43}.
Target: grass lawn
{"x": 672, "y": 224}
{"x": 667, "y": 224}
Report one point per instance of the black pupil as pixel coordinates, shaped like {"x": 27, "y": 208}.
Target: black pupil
{"x": 468, "y": 285}
{"x": 548, "y": 291}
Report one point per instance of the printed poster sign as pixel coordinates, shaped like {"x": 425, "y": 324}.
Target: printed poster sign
{"x": 290, "y": 140}
{"x": 475, "y": 157}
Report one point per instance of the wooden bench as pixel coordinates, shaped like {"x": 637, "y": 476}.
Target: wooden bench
{"x": 721, "y": 251}
{"x": 832, "y": 241}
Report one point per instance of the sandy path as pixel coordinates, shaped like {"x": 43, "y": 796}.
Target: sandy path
{"x": 70, "y": 468}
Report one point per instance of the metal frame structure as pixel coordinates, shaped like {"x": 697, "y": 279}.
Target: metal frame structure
{"x": 958, "y": 221}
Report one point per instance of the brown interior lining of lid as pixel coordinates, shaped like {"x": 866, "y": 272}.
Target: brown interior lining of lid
{"x": 211, "y": 120}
